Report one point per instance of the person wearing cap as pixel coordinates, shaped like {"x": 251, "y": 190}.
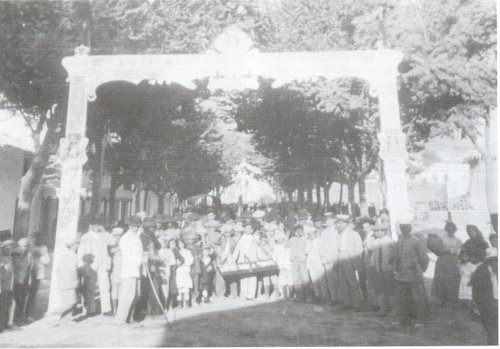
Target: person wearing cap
{"x": 6, "y": 282}
{"x": 131, "y": 250}
{"x": 328, "y": 251}
{"x": 172, "y": 231}
{"x": 22, "y": 263}
{"x": 96, "y": 242}
{"x": 146, "y": 302}
{"x": 116, "y": 264}
{"x": 410, "y": 262}
{"x": 350, "y": 248}
{"x": 381, "y": 270}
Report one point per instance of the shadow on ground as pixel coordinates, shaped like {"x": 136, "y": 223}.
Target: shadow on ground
{"x": 298, "y": 324}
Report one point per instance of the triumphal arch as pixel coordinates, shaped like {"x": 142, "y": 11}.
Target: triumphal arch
{"x": 232, "y": 64}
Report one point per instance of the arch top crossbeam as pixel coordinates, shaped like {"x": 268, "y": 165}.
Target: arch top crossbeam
{"x": 233, "y": 70}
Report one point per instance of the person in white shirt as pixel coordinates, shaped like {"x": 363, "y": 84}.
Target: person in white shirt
{"x": 315, "y": 266}
{"x": 246, "y": 252}
{"x": 366, "y": 274}
{"x": 281, "y": 255}
{"x": 350, "y": 248}
{"x": 131, "y": 250}
{"x": 329, "y": 256}
{"x": 96, "y": 242}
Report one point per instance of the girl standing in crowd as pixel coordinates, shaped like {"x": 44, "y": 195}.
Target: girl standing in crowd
{"x": 171, "y": 259}
{"x": 447, "y": 272}
{"x": 246, "y": 252}
{"x": 281, "y": 255}
{"x": 207, "y": 276}
{"x": 183, "y": 277}
{"x": 315, "y": 265}
{"x": 298, "y": 258}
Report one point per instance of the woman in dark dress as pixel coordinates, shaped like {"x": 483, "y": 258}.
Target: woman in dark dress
{"x": 473, "y": 253}
{"x": 174, "y": 263}
{"x": 207, "y": 276}
{"x": 446, "y": 280}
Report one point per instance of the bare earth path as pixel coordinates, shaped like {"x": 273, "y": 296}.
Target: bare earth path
{"x": 255, "y": 323}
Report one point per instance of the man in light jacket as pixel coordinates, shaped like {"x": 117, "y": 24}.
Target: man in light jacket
{"x": 96, "y": 242}
{"x": 329, "y": 256}
{"x": 131, "y": 251}
{"x": 350, "y": 249}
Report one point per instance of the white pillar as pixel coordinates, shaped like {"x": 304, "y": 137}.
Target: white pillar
{"x": 72, "y": 155}
{"x": 393, "y": 148}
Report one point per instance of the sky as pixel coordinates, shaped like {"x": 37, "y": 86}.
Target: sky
{"x": 14, "y": 131}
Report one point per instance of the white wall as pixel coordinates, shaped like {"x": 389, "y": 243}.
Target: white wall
{"x": 11, "y": 166}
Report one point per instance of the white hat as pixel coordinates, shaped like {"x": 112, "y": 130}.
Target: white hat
{"x": 279, "y": 235}
{"x": 238, "y": 227}
{"x": 309, "y": 229}
{"x": 342, "y": 217}
{"x": 141, "y": 214}
{"x": 225, "y": 228}
{"x": 270, "y": 226}
{"x": 258, "y": 214}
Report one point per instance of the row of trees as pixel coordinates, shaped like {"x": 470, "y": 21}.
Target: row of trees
{"x": 448, "y": 81}
{"x": 313, "y": 141}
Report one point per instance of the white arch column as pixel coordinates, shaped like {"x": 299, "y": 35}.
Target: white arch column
{"x": 392, "y": 147}
{"x": 72, "y": 156}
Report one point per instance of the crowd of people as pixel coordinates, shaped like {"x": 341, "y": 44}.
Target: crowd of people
{"x": 149, "y": 265}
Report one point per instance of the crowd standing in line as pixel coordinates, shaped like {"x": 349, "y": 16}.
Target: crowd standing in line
{"x": 150, "y": 264}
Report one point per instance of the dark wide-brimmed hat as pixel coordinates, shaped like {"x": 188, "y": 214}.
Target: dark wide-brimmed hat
{"x": 192, "y": 217}
{"x": 134, "y": 221}
{"x": 148, "y": 222}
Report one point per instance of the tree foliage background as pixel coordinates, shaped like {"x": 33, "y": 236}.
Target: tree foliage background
{"x": 447, "y": 82}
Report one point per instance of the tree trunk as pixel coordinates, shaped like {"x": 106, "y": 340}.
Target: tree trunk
{"x": 326, "y": 190}
{"x": 341, "y": 193}
{"x": 145, "y": 203}
{"x": 350, "y": 196}
{"x": 318, "y": 196}
{"x": 289, "y": 194}
{"x": 112, "y": 200}
{"x": 161, "y": 203}
{"x": 363, "y": 205}
{"x": 310, "y": 195}
{"x": 300, "y": 195}
{"x": 31, "y": 180}
{"x": 137, "y": 197}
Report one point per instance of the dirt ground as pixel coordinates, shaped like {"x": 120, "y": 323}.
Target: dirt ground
{"x": 253, "y": 323}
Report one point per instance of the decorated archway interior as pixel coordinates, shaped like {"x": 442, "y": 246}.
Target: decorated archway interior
{"x": 231, "y": 64}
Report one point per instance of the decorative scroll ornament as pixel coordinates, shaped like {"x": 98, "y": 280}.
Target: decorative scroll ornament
{"x": 392, "y": 145}
{"x": 72, "y": 149}
{"x": 233, "y": 41}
